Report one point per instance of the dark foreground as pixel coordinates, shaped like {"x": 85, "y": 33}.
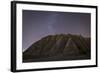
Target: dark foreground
{"x": 58, "y": 48}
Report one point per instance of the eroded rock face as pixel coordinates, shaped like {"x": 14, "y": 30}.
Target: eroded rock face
{"x": 71, "y": 48}
{"x": 58, "y": 47}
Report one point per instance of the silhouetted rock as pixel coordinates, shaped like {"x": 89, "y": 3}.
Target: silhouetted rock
{"x": 58, "y": 47}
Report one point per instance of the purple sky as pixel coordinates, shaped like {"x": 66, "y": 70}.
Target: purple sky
{"x": 38, "y": 24}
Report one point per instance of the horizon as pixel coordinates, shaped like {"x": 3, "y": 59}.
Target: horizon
{"x": 57, "y": 35}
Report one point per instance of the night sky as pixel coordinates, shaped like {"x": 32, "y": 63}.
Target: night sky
{"x": 38, "y": 24}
